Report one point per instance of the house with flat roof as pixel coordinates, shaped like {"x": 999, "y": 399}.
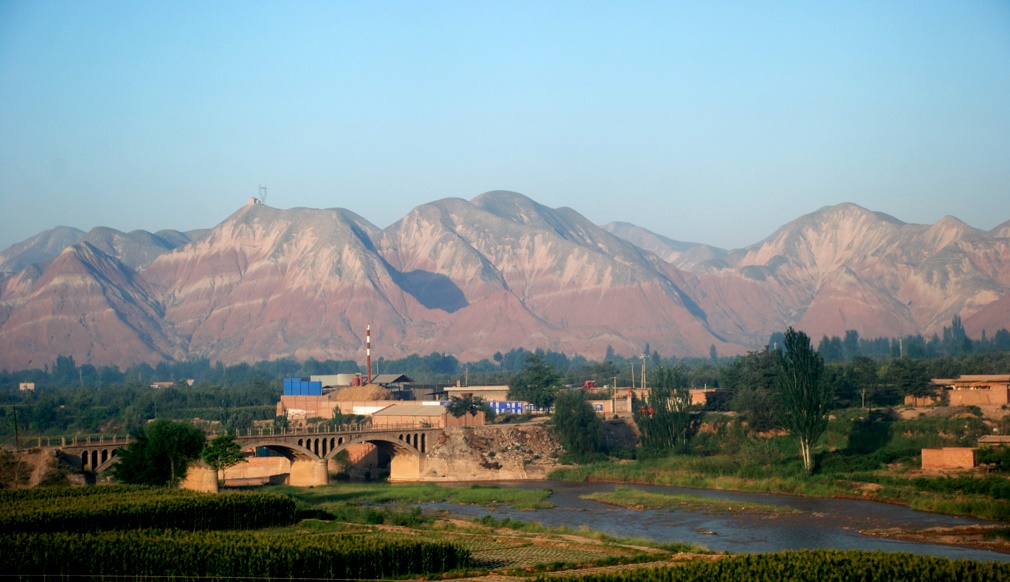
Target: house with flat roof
{"x": 431, "y": 415}
{"x": 976, "y": 389}
{"x": 488, "y": 393}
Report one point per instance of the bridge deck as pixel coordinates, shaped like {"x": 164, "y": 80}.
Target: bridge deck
{"x": 105, "y": 440}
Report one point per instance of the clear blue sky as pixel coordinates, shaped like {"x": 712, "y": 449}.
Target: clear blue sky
{"x": 710, "y": 122}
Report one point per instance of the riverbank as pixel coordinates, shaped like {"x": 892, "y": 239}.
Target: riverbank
{"x": 982, "y": 497}
{"x": 573, "y": 529}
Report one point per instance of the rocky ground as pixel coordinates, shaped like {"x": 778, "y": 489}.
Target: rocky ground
{"x": 516, "y": 447}
{"x": 501, "y": 448}
{"x": 995, "y": 538}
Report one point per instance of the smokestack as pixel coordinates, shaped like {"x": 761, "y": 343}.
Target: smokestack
{"x": 368, "y": 350}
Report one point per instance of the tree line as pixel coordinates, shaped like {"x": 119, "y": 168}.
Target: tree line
{"x": 72, "y": 399}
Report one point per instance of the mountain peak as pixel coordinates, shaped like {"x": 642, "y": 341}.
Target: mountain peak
{"x": 39, "y": 248}
{"x": 474, "y": 277}
{"x": 510, "y": 206}
{"x": 1001, "y": 230}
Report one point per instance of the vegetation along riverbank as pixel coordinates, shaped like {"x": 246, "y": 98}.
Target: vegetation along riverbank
{"x": 369, "y": 531}
{"x": 862, "y": 455}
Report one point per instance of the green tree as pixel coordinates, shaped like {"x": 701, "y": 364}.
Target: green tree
{"x": 468, "y": 404}
{"x": 160, "y": 454}
{"x": 906, "y": 376}
{"x": 861, "y": 374}
{"x": 851, "y": 344}
{"x": 804, "y": 396}
{"x": 222, "y": 451}
{"x": 667, "y": 421}
{"x": 751, "y": 382}
{"x": 536, "y": 383}
{"x": 577, "y": 426}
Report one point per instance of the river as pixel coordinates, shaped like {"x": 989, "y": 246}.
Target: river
{"x": 824, "y": 523}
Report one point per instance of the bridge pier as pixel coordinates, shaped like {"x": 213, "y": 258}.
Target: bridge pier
{"x": 308, "y": 473}
{"x": 200, "y": 477}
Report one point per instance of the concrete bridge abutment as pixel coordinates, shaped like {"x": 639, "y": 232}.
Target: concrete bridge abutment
{"x": 308, "y": 473}
{"x": 405, "y": 467}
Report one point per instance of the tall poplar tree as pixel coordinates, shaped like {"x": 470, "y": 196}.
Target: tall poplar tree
{"x": 537, "y": 383}
{"x": 667, "y": 421}
{"x": 577, "y": 426}
{"x": 804, "y": 395}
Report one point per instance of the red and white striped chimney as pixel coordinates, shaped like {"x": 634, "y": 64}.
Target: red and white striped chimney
{"x": 368, "y": 350}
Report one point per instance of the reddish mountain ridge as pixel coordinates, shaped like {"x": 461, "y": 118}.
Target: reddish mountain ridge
{"x": 845, "y": 267}
{"x": 473, "y": 277}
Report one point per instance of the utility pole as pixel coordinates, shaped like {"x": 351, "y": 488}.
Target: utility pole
{"x": 17, "y": 434}
{"x": 644, "y": 357}
{"x": 18, "y": 465}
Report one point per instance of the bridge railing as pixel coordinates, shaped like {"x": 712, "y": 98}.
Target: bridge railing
{"x": 310, "y": 430}
{"x": 78, "y": 440}
{"x": 123, "y": 440}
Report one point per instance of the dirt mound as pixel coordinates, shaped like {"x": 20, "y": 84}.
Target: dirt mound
{"x": 365, "y": 393}
{"x": 32, "y": 468}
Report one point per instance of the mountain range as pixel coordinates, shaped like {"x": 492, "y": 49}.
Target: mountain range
{"x": 470, "y": 278}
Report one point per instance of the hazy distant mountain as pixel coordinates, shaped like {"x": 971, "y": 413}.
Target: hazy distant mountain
{"x": 89, "y": 305}
{"x": 470, "y": 278}
{"x": 39, "y": 248}
{"x": 683, "y": 255}
{"x": 137, "y": 248}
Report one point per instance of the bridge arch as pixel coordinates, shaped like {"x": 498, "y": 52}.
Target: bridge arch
{"x": 98, "y": 459}
{"x": 391, "y": 443}
{"x": 292, "y": 451}
{"x": 308, "y": 469}
{"x": 406, "y": 451}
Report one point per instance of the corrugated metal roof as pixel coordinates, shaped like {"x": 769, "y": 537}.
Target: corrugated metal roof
{"x": 410, "y": 410}
{"x": 391, "y": 379}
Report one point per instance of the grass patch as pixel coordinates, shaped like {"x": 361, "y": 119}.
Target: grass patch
{"x": 636, "y": 499}
{"x": 535, "y": 527}
{"x": 328, "y": 498}
{"x": 520, "y": 499}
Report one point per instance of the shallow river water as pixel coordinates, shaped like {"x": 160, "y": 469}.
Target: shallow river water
{"x": 824, "y": 523}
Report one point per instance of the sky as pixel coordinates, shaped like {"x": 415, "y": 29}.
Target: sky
{"x": 712, "y": 122}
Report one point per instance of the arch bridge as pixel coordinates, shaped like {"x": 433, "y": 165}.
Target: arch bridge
{"x": 307, "y": 450}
